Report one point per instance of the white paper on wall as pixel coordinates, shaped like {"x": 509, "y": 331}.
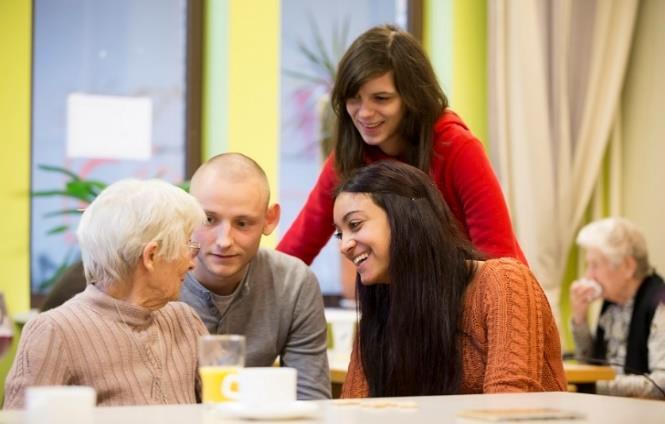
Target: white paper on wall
{"x": 109, "y": 127}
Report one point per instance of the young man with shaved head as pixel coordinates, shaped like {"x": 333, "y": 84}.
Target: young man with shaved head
{"x": 238, "y": 288}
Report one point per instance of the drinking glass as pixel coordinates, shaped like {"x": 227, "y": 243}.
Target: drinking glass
{"x": 219, "y": 357}
{"x": 6, "y": 328}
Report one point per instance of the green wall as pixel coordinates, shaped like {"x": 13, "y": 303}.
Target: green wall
{"x": 455, "y": 37}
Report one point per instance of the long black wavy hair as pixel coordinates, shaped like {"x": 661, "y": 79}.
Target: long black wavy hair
{"x": 408, "y": 334}
{"x": 379, "y": 50}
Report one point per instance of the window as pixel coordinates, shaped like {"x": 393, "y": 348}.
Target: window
{"x": 116, "y": 94}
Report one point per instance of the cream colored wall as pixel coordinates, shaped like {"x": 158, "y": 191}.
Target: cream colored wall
{"x": 644, "y": 129}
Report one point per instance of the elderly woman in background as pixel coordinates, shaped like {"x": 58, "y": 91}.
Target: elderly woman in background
{"x": 631, "y": 328}
{"x": 122, "y": 336}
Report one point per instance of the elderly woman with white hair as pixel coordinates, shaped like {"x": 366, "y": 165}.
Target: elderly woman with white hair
{"x": 630, "y": 333}
{"x": 123, "y": 335}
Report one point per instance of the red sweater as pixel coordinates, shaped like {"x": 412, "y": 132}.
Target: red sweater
{"x": 462, "y": 173}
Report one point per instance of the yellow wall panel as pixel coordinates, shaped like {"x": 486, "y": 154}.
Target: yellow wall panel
{"x": 215, "y": 111}
{"x": 15, "y": 58}
{"x": 254, "y": 69}
{"x": 469, "y": 74}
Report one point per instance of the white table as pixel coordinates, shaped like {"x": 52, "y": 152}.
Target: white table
{"x": 432, "y": 409}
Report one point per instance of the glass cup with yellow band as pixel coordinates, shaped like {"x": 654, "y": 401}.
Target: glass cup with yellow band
{"x": 219, "y": 356}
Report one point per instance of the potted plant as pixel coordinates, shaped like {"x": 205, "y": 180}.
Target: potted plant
{"x": 324, "y": 61}
{"x": 82, "y": 190}
{"x": 69, "y": 273}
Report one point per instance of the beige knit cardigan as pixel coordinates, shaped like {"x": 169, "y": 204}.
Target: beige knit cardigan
{"x": 150, "y": 358}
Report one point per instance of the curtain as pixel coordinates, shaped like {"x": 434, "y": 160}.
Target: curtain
{"x": 556, "y": 70}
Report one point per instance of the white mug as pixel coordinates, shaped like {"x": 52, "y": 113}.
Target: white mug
{"x": 262, "y": 386}
{"x": 60, "y": 404}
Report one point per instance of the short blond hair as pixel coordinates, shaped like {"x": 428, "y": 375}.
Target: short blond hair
{"x": 233, "y": 166}
{"x": 128, "y": 215}
{"x": 617, "y": 238}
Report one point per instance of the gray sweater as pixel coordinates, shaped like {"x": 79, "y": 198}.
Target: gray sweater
{"x": 279, "y": 308}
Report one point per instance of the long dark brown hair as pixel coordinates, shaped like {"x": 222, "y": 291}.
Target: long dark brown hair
{"x": 408, "y": 336}
{"x": 377, "y": 51}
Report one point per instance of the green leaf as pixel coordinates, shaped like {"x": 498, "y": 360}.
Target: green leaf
{"x": 83, "y": 190}
{"x": 185, "y": 185}
{"x": 63, "y": 212}
{"x": 58, "y": 230}
{"x": 340, "y": 38}
{"x": 313, "y": 56}
{"x": 46, "y": 193}
{"x": 60, "y": 170}
{"x": 309, "y": 78}
{"x": 325, "y": 58}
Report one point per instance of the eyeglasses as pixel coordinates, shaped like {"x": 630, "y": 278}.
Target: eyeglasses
{"x": 194, "y": 248}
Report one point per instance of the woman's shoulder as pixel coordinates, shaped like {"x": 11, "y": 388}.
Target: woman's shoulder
{"x": 452, "y": 137}
{"x": 496, "y": 274}
{"x": 54, "y": 322}
{"x": 450, "y": 128}
{"x": 504, "y": 264}
{"x": 505, "y": 284}
{"x": 178, "y": 308}
{"x": 65, "y": 312}
{"x": 181, "y": 312}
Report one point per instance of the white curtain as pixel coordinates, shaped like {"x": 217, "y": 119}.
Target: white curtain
{"x": 556, "y": 74}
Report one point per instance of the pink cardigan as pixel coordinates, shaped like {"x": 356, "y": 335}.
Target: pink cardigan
{"x": 84, "y": 342}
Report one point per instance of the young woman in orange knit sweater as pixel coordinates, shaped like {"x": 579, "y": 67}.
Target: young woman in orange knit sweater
{"x": 435, "y": 318}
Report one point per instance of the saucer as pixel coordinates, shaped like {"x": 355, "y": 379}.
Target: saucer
{"x": 296, "y": 409}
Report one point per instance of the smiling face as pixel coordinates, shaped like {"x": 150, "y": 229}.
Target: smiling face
{"x": 237, "y": 216}
{"x": 377, "y": 111}
{"x": 364, "y": 231}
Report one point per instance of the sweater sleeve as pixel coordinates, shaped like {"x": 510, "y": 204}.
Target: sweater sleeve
{"x": 41, "y": 360}
{"x": 583, "y": 339}
{"x": 306, "y": 346}
{"x": 199, "y": 329}
{"x": 484, "y": 209}
{"x": 518, "y": 319}
{"x": 355, "y": 383}
{"x": 313, "y": 226}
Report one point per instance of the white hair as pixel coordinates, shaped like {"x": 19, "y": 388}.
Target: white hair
{"x": 128, "y": 215}
{"x": 617, "y": 238}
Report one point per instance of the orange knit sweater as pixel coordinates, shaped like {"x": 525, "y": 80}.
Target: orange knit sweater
{"x": 510, "y": 341}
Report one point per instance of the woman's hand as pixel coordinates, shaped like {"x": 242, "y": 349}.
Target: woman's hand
{"x": 582, "y": 293}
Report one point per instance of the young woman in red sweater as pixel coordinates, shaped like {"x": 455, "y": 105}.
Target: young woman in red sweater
{"x": 390, "y": 105}
{"x": 434, "y": 318}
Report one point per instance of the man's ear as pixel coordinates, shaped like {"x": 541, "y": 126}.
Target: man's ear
{"x": 149, "y": 254}
{"x": 272, "y": 218}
